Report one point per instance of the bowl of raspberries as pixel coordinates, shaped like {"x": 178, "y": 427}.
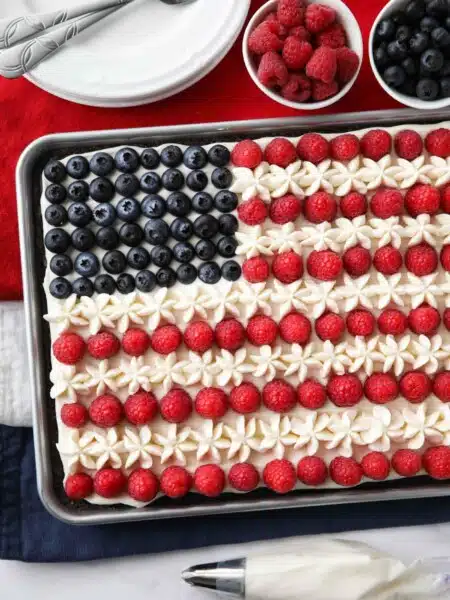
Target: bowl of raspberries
{"x": 305, "y": 54}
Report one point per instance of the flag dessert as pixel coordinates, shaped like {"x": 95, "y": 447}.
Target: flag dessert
{"x": 263, "y": 313}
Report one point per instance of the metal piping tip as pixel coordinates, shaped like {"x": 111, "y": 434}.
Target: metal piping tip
{"x": 227, "y": 576}
{"x": 205, "y": 576}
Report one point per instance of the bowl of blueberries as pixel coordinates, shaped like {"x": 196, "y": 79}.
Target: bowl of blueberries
{"x": 409, "y": 49}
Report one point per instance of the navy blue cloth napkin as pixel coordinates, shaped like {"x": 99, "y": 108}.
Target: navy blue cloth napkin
{"x": 28, "y": 532}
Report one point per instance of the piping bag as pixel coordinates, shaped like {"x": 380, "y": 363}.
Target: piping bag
{"x": 325, "y": 570}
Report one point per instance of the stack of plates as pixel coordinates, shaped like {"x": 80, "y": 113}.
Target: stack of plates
{"x": 144, "y": 52}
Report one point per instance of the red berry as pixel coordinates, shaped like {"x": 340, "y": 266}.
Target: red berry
{"x": 230, "y": 335}
{"x": 272, "y": 71}
{"x": 298, "y": 88}
{"x": 252, "y": 212}
{"x": 436, "y": 462}
{"x": 333, "y": 36}
{"x": 209, "y": 480}
{"x": 347, "y": 65}
{"x": 311, "y": 394}
{"x": 78, "y": 486}
{"x": 318, "y": 17}
{"x": 322, "y": 91}
{"x": 279, "y": 396}
{"x": 421, "y": 259}
{"x": 166, "y": 339}
{"x": 301, "y": 33}
{"x": 176, "y": 406}
{"x": 272, "y": 21}
{"x": 376, "y": 143}
{"x": 256, "y": 269}
{"x": 141, "y": 408}
{"x": 353, "y": 205}
{"x": 262, "y": 330}
{"x": 243, "y": 477}
{"x": 280, "y": 151}
{"x": 290, "y": 13}
{"x": 376, "y": 466}
{"x": 381, "y": 388}
{"x": 422, "y": 199}
{"x": 322, "y": 67}
{"x": 74, "y": 415}
{"x": 263, "y": 38}
{"x": 295, "y": 328}
{"x": 106, "y": 411}
{"x": 198, "y": 336}
{"x": 437, "y": 142}
{"x": 143, "y": 485}
{"x": 357, "y": 261}
{"x": 313, "y": 147}
{"x": 446, "y": 318}
{"x": 345, "y": 471}
{"x": 441, "y": 386}
{"x": 109, "y": 483}
{"x": 211, "y": 403}
{"x": 285, "y": 209}
{"x": 69, "y": 348}
{"x": 424, "y": 320}
{"x": 345, "y": 390}
{"x": 387, "y": 203}
{"x": 344, "y": 147}
{"x": 320, "y": 207}
{"x": 296, "y": 54}
{"x": 330, "y": 326}
{"x": 445, "y": 257}
{"x": 103, "y": 345}
{"x": 287, "y": 267}
{"x": 245, "y": 398}
{"x": 175, "y": 482}
{"x": 408, "y": 144}
{"x": 415, "y": 386}
{"x": 312, "y": 470}
{"x": 392, "y": 322}
{"x": 246, "y": 154}
{"x": 445, "y": 199}
{"x": 388, "y": 260}
{"x": 406, "y": 462}
{"x": 360, "y": 322}
{"x": 279, "y": 476}
{"x": 325, "y": 265}
{"x": 135, "y": 342}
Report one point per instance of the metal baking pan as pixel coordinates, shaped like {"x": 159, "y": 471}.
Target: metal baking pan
{"x": 49, "y": 470}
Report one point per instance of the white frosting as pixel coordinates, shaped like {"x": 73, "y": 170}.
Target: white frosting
{"x": 250, "y": 183}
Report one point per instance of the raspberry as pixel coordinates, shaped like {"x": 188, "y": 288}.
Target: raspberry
{"x": 325, "y": 265}
{"x": 333, "y": 36}
{"x": 243, "y": 477}
{"x": 285, "y": 209}
{"x": 345, "y": 390}
{"x": 262, "y": 330}
{"x": 421, "y": 259}
{"x": 275, "y": 25}
{"x": 290, "y": 13}
{"x": 301, "y": 33}
{"x": 357, "y": 261}
{"x": 406, "y": 462}
{"x": 345, "y": 471}
{"x": 322, "y": 91}
{"x": 295, "y": 328}
{"x": 320, "y": 207}
{"x": 322, "y": 65}
{"x": 272, "y": 71}
{"x": 387, "y": 203}
{"x": 263, "y": 39}
{"x": 166, "y": 339}
{"x": 253, "y": 211}
{"x": 211, "y": 403}
{"x": 437, "y": 142}
{"x": 141, "y": 408}
{"x": 436, "y": 462}
{"x": 360, "y": 322}
{"x": 106, "y": 411}
{"x": 256, "y": 269}
{"x": 344, "y": 147}
{"x": 230, "y": 335}
{"x": 296, "y": 53}
{"x": 78, "y": 486}
{"x": 313, "y": 147}
{"x": 74, "y": 415}
{"x": 446, "y": 318}
{"x": 446, "y": 199}
{"x": 175, "y": 482}
{"x": 381, "y": 388}
{"x": 422, "y": 199}
{"x": 424, "y": 320}
{"x": 143, "y": 485}
{"x": 176, "y": 406}
{"x": 330, "y": 326}
{"x": 103, "y": 345}
{"x": 135, "y": 342}
{"x": 297, "y": 88}
{"x": 209, "y": 480}
{"x": 279, "y": 396}
{"x": 109, "y": 483}
{"x": 69, "y": 348}
{"x": 311, "y": 394}
{"x": 376, "y": 143}
{"x": 415, "y": 386}
{"x": 392, "y": 322}
{"x": 279, "y": 475}
{"x": 312, "y": 470}
{"x": 445, "y": 257}
{"x": 198, "y": 336}
{"x": 287, "y": 267}
{"x": 281, "y": 152}
{"x": 388, "y": 260}
{"x": 408, "y": 144}
{"x": 347, "y": 65}
{"x": 353, "y": 205}
{"x": 318, "y": 17}
{"x": 245, "y": 398}
{"x": 376, "y": 466}
{"x": 246, "y": 154}
{"x": 441, "y": 386}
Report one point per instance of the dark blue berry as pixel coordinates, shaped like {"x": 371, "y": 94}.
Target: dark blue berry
{"x": 184, "y": 252}
{"x": 445, "y": 87}
{"x": 397, "y": 50}
{"x": 127, "y": 184}
{"x": 445, "y": 71}
{"x": 83, "y": 287}
{"x": 138, "y": 258}
{"x": 197, "y": 181}
{"x": 78, "y": 191}
{"x": 195, "y": 157}
{"x": 440, "y": 37}
{"x": 385, "y": 30}
{"x": 127, "y": 160}
{"x": 178, "y": 204}
{"x": 427, "y": 24}
{"x": 79, "y": 214}
{"x": 107, "y": 238}
{"x": 114, "y": 262}
{"x": 403, "y": 33}
{"x": 55, "y": 171}
{"x": 206, "y": 226}
{"x": 231, "y": 270}
{"x": 161, "y": 256}
{"x": 226, "y": 247}
{"x": 219, "y": 155}
{"x": 150, "y": 158}
{"x": 381, "y": 57}
{"x": 432, "y": 61}
{"x": 228, "y": 224}
{"x": 202, "y": 202}
{"x": 205, "y": 250}
{"x": 225, "y": 201}
{"x": 150, "y": 183}
{"x": 101, "y": 164}
{"x": 56, "y": 215}
{"x": 181, "y": 229}
{"x": 221, "y": 178}
{"x": 153, "y": 206}
{"x": 60, "y": 288}
{"x": 57, "y": 240}
{"x": 78, "y": 167}
{"x": 394, "y": 76}
{"x": 131, "y": 234}
{"x": 408, "y": 88}
{"x": 145, "y": 281}
{"x": 166, "y": 277}
{"x": 171, "y": 156}
{"x": 209, "y": 272}
{"x": 173, "y": 180}
{"x": 437, "y": 8}
{"x": 398, "y": 18}
{"x": 156, "y": 232}
{"x": 128, "y": 209}
{"x": 101, "y": 190}
{"x": 427, "y": 89}
{"x": 86, "y": 264}
{"x": 125, "y": 283}
{"x": 409, "y": 66}
{"x": 186, "y": 274}
{"x": 104, "y": 284}
{"x": 418, "y": 43}
{"x": 83, "y": 239}
{"x": 56, "y": 193}
{"x": 104, "y": 214}
{"x": 414, "y": 11}
{"x": 61, "y": 265}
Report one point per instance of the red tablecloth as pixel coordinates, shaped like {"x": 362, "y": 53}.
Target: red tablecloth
{"x": 226, "y": 94}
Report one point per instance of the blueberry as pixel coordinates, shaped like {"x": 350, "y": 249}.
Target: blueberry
{"x": 437, "y": 8}
{"x": 172, "y": 180}
{"x": 225, "y": 201}
{"x": 427, "y": 89}
{"x": 205, "y": 250}
{"x": 408, "y": 88}
{"x": 83, "y": 287}
{"x": 150, "y": 158}
{"x": 161, "y": 256}
{"x": 206, "y": 226}
{"x": 127, "y": 160}
{"x": 61, "y": 265}
{"x": 101, "y": 164}
{"x": 445, "y": 71}
{"x": 445, "y": 87}
{"x": 57, "y": 241}
{"x": 56, "y": 193}
{"x": 447, "y": 22}
{"x": 127, "y": 184}
{"x": 226, "y": 247}
{"x": 171, "y": 156}
{"x": 145, "y": 281}
{"x": 195, "y": 157}
{"x": 385, "y": 30}
{"x": 83, "y": 239}
{"x": 60, "y": 288}
{"x": 419, "y": 42}
{"x": 150, "y": 183}
{"x": 221, "y": 178}
{"x": 209, "y": 272}
{"x": 231, "y": 270}
{"x": 86, "y": 264}
{"x": 397, "y": 50}
{"x": 381, "y": 57}
{"x": 184, "y": 252}
{"x": 178, "y": 204}
{"x": 101, "y": 190}
{"x": 398, "y": 18}
{"x": 138, "y": 258}
{"x": 197, "y": 181}
{"x": 414, "y": 11}
{"x": 432, "y": 61}
{"x": 427, "y": 24}
{"x": 228, "y": 224}
{"x": 409, "y": 66}
{"x": 394, "y": 76}
{"x": 114, "y": 262}
{"x": 128, "y": 209}
{"x": 186, "y": 274}
{"x": 166, "y": 277}
{"x": 78, "y": 191}
{"x": 78, "y": 167}
{"x": 104, "y": 284}
{"x": 403, "y": 33}
{"x": 202, "y": 202}
{"x": 107, "y": 238}
{"x": 219, "y": 156}
{"x": 181, "y": 229}
{"x": 125, "y": 283}
{"x": 156, "y": 231}
{"x": 440, "y": 37}
{"x": 55, "y": 171}
{"x": 56, "y": 215}
{"x": 153, "y": 206}
{"x": 79, "y": 214}
{"x": 131, "y": 234}
{"x": 104, "y": 214}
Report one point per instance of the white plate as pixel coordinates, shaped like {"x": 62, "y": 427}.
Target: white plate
{"x": 144, "y": 52}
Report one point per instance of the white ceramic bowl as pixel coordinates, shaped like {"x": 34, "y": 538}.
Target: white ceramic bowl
{"x": 392, "y": 6}
{"x": 355, "y": 42}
